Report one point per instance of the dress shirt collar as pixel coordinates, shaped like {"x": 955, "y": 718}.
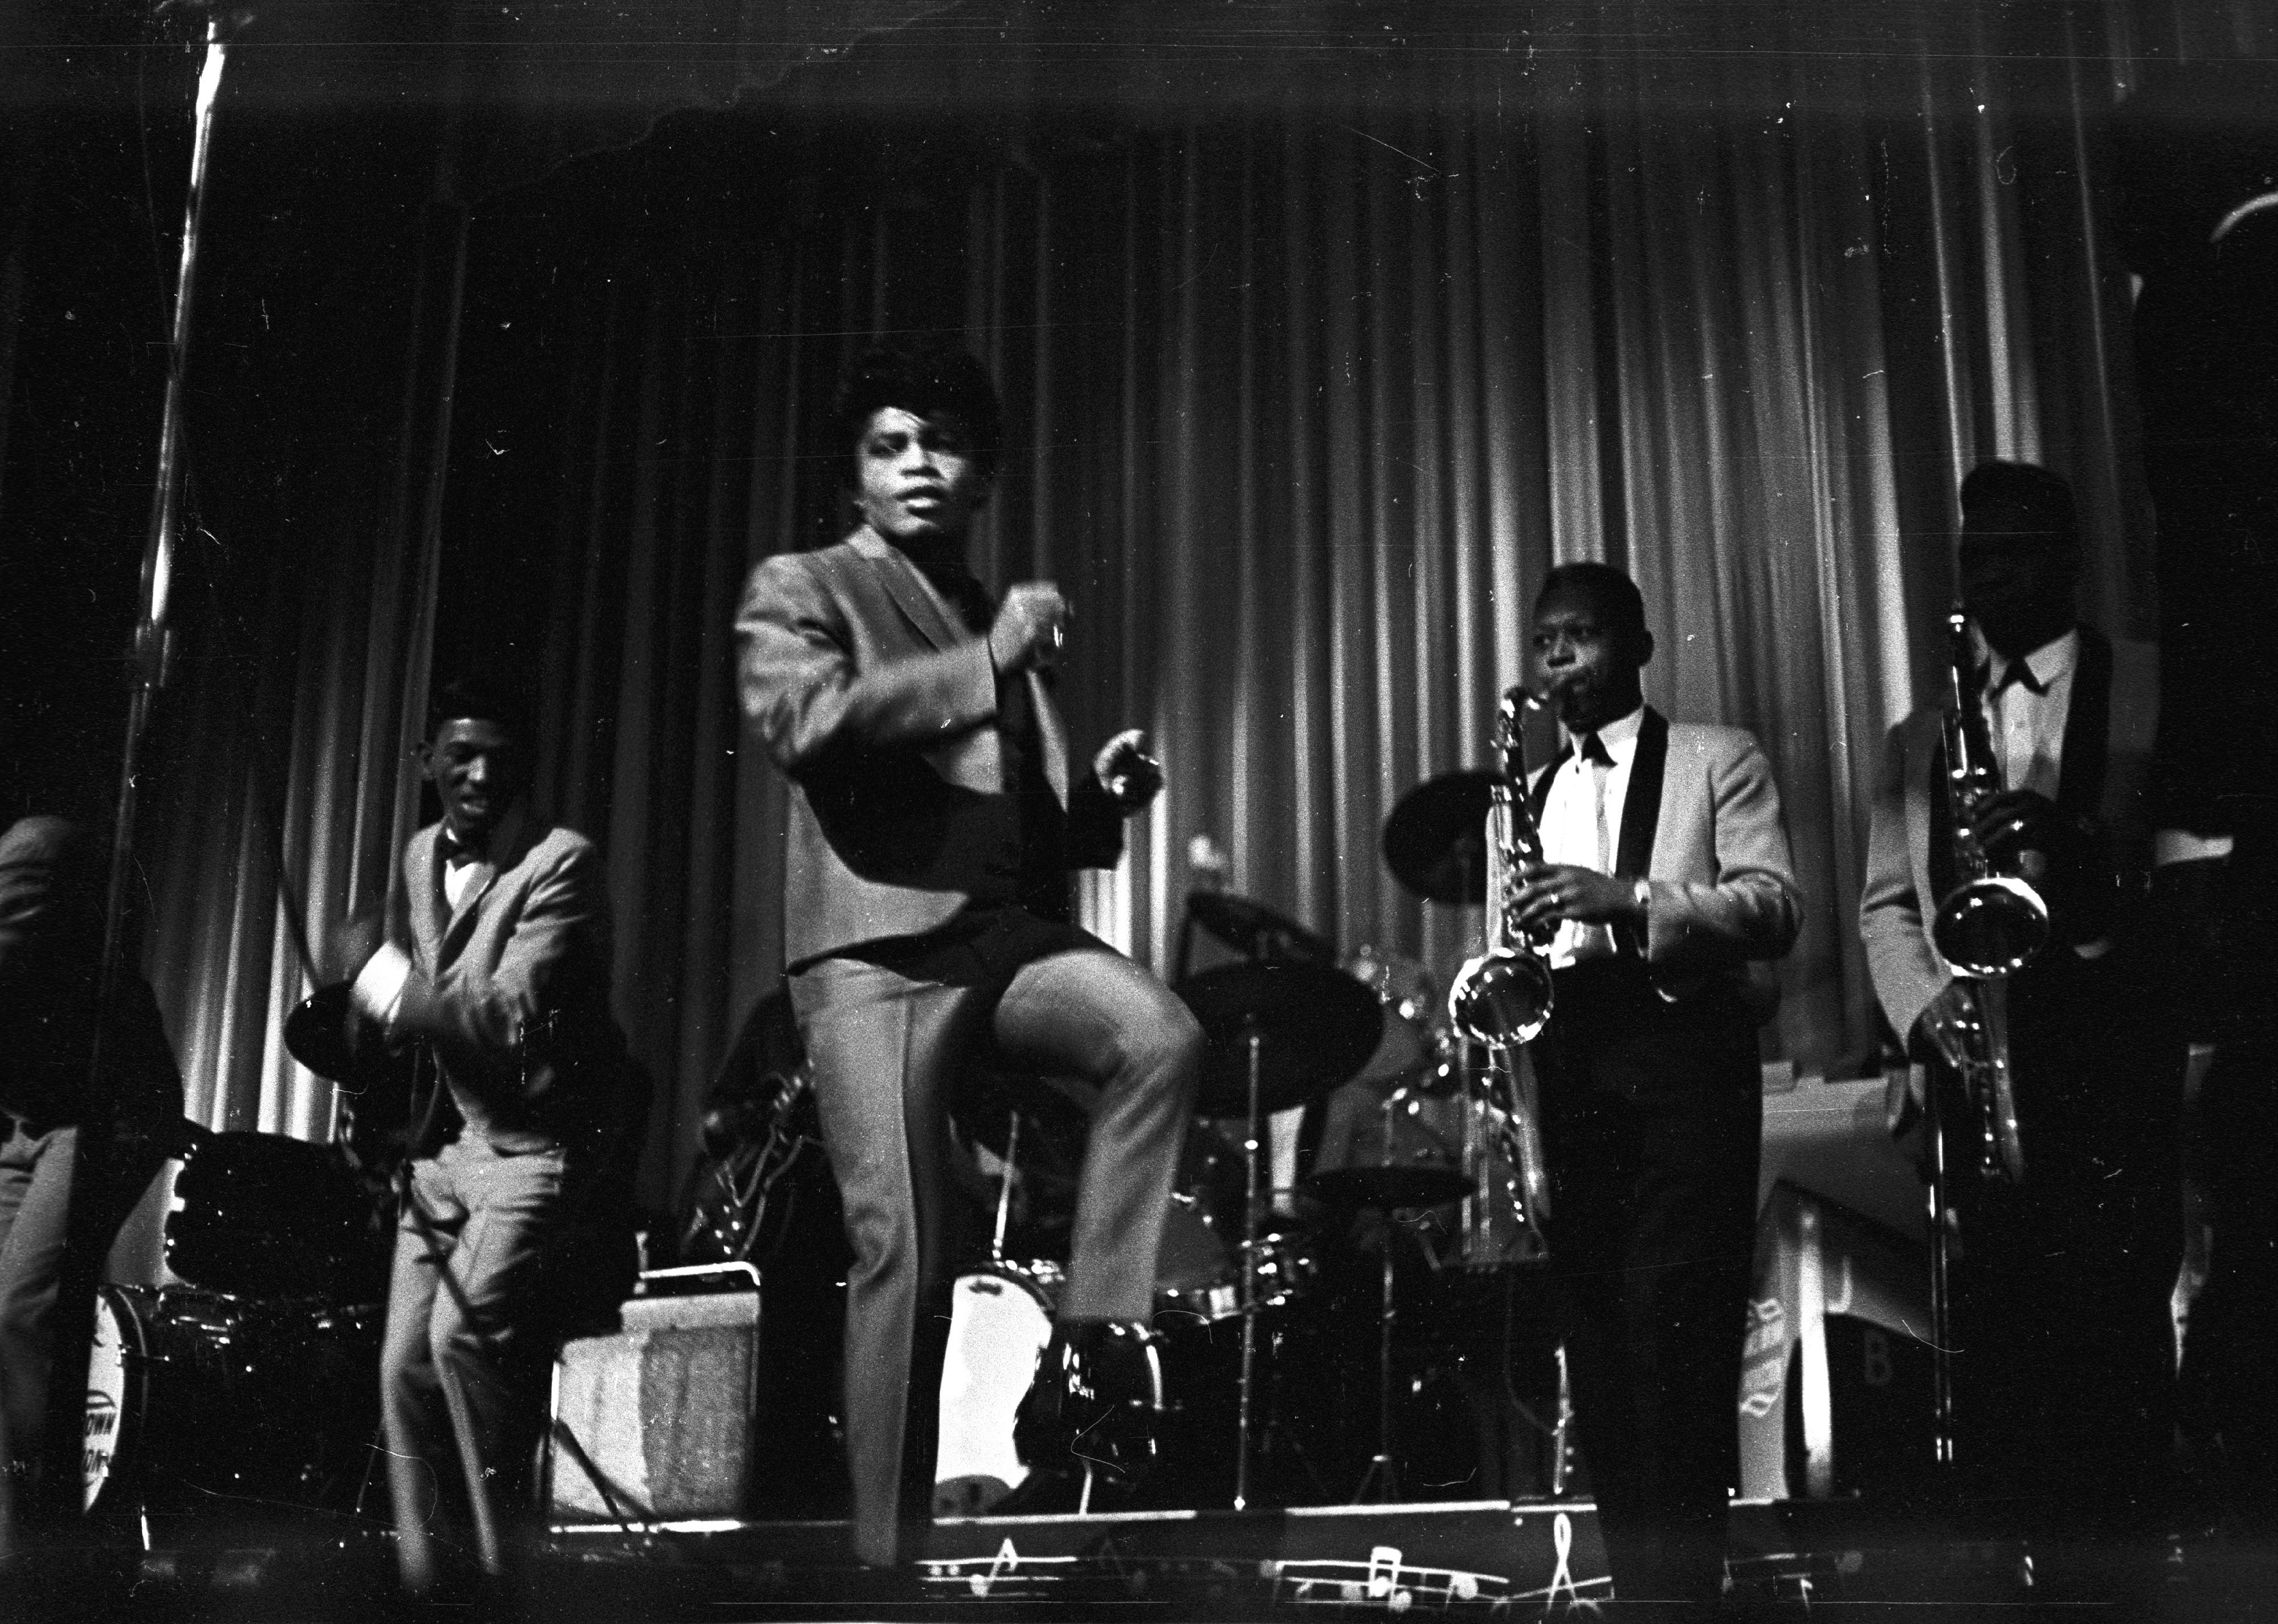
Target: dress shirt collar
{"x": 1620, "y": 738}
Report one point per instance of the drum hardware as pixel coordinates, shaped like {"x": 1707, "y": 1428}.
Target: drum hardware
{"x": 1251, "y": 929}
{"x": 1390, "y": 1189}
{"x": 1276, "y": 1035}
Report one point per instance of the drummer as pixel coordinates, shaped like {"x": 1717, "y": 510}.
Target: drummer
{"x": 51, "y": 931}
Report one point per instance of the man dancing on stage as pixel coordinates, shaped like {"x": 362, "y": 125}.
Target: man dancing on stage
{"x": 2063, "y": 1345}
{"x": 496, "y": 956}
{"x": 933, "y": 827}
{"x": 1667, "y": 874}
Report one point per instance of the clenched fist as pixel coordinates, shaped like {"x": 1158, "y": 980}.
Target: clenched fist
{"x": 1031, "y": 626}
{"x": 1130, "y": 776}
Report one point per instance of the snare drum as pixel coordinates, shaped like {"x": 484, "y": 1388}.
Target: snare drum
{"x": 195, "y": 1400}
{"x": 1198, "y": 1268}
{"x": 999, "y": 1322}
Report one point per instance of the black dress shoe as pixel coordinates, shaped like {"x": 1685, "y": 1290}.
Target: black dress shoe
{"x": 1087, "y": 1428}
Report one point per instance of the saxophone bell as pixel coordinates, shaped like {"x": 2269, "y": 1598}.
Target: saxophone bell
{"x": 1501, "y": 998}
{"x": 1991, "y": 923}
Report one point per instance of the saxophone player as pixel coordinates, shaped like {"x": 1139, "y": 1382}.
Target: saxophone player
{"x": 2061, "y": 1342}
{"x": 1667, "y": 877}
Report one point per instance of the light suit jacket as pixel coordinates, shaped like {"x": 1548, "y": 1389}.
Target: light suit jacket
{"x": 1701, "y": 823}
{"x": 2105, "y": 775}
{"x": 512, "y": 988}
{"x": 880, "y": 707}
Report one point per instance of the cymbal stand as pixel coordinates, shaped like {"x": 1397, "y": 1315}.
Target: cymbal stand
{"x": 1251, "y": 1216}
{"x": 1380, "y": 1471}
{"x": 1941, "y": 1301}
{"x": 1005, "y": 1189}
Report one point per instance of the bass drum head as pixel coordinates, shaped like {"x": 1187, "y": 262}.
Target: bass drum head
{"x": 998, "y": 1325}
{"x": 200, "y": 1404}
{"x": 107, "y": 1392}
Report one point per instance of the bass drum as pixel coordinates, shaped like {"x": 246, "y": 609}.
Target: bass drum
{"x": 1000, "y": 1320}
{"x": 199, "y": 1402}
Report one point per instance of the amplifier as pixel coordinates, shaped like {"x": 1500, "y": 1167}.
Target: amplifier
{"x": 660, "y": 1413}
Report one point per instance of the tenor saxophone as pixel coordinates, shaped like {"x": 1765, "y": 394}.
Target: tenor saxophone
{"x": 1501, "y": 998}
{"x": 1990, "y": 924}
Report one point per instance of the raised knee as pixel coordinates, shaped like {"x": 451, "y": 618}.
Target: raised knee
{"x": 1169, "y": 1047}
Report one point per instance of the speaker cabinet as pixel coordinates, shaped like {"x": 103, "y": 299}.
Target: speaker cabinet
{"x": 654, "y": 1421}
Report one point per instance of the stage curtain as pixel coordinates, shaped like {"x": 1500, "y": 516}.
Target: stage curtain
{"x": 1312, "y": 376}
{"x": 1307, "y": 395}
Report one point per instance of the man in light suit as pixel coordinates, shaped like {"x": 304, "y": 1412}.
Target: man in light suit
{"x": 934, "y": 824}
{"x": 2063, "y": 1348}
{"x": 1669, "y": 879}
{"x": 496, "y": 958}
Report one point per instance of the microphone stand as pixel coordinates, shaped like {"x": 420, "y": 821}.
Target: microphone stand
{"x": 148, "y": 672}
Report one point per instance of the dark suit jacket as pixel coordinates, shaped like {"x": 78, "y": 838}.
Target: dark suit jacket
{"x": 1701, "y": 822}
{"x": 50, "y": 968}
{"x": 511, "y": 990}
{"x": 2105, "y": 773}
{"x": 882, "y": 708}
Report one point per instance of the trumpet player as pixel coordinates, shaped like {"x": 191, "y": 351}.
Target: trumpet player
{"x": 1667, "y": 877}
{"x": 2059, "y": 1339}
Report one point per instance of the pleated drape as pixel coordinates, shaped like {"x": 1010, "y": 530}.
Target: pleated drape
{"x": 1307, "y": 392}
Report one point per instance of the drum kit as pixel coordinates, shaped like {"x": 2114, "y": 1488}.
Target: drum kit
{"x": 1347, "y": 1180}
{"x": 1352, "y": 1163}
{"x": 244, "y": 1373}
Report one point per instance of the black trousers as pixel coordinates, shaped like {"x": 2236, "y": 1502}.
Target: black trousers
{"x": 2064, "y": 1355}
{"x": 1653, "y": 1116}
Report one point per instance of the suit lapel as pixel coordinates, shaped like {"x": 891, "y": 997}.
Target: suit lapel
{"x": 487, "y": 873}
{"x": 1051, "y": 738}
{"x": 423, "y": 884}
{"x": 1641, "y": 806}
{"x": 2087, "y": 749}
{"x": 1539, "y": 797}
{"x": 911, "y": 593}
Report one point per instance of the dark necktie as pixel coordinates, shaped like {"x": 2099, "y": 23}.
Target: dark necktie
{"x": 966, "y": 595}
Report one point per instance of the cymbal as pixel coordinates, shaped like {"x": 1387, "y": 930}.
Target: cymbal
{"x": 1387, "y": 1187}
{"x": 1256, "y": 930}
{"x": 1435, "y": 841}
{"x": 316, "y": 1034}
{"x": 1317, "y": 1026}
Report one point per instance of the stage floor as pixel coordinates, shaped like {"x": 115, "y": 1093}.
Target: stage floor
{"x": 1791, "y": 1559}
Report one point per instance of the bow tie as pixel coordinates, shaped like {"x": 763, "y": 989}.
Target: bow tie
{"x": 2020, "y": 675}
{"x": 1592, "y": 750}
{"x": 457, "y": 855}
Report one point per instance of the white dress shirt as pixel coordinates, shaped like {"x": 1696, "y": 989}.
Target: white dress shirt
{"x": 2027, "y": 728}
{"x": 1582, "y": 825}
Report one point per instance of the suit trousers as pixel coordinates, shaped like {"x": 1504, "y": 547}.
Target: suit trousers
{"x": 2064, "y": 1363}
{"x": 887, "y": 1048}
{"x": 1653, "y": 1116}
{"x": 37, "y": 1170}
{"x": 463, "y": 1362}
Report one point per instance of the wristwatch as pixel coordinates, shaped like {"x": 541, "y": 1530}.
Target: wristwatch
{"x": 1641, "y": 894}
